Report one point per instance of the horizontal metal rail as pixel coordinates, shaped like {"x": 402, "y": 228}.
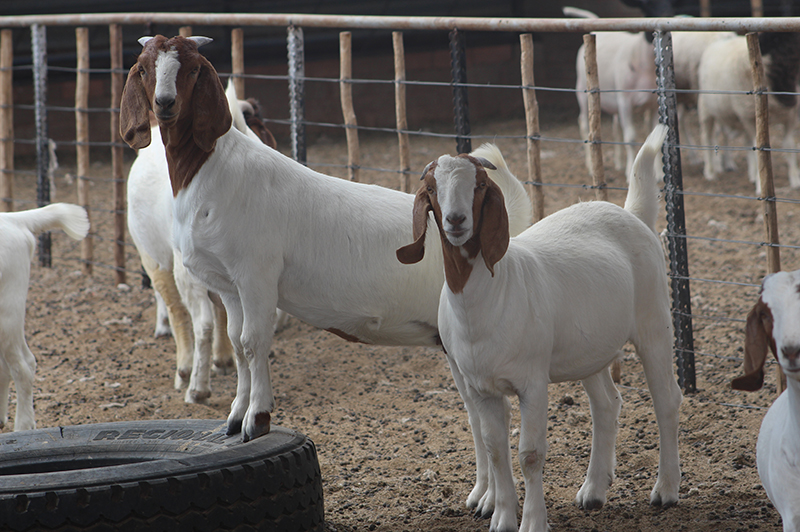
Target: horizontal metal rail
{"x": 561, "y": 25}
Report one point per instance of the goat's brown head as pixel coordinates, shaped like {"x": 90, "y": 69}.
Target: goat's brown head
{"x": 181, "y": 87}
{"x": 774, "y": 324}
{"x": 469, "y": 211}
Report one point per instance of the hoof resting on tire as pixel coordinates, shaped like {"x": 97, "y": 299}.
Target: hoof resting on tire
{"x": 260, "y": 427}
{"x": 234, "y": 427}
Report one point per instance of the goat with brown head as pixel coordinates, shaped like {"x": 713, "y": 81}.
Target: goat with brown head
{"x": 469, "y": 211}
{"x": 182, "y": 88}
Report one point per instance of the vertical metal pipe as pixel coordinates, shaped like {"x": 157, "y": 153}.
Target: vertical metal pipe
{"x": 458, "y": 62}
{"x": 39, "y": 49}
{"x": 676, "y": 223}
{"x": 6, "y": 121}
{"x": 117, "y": 83}
{"x": 297, "y": 96}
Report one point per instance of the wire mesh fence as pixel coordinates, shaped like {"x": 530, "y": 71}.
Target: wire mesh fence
{"x": 721, "y": 286}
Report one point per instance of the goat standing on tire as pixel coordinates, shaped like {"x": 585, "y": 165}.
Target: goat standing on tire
{"x": 264, "y": 231}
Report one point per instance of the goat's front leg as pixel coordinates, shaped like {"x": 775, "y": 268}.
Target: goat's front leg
{"x": 21, "y": 365}
{"x": 481, "y": 498}
{"x": 258, "y": 326}
{"x": 240, "y": 404}
{"x": 605, "y": 404}
{"x": 532, "y": 453}
{"x": 493, "y": 414}
{"x": 222, "y": 349}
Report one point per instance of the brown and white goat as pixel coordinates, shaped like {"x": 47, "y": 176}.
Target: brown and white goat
{"x": 264, "y": 231}
{"x": 772, "y": 324}
{"x": 552, "y": 304}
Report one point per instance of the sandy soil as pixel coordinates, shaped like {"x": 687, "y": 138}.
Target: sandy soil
{"x": 393, "y": 438}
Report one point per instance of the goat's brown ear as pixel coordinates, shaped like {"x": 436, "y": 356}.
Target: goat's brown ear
{"x": 414, "y": 252}
{"x": 494, "y": 235}
{"x": 756, "y": 340}
{"x": 134, "y": 108}
{"x": 211, "y": 117}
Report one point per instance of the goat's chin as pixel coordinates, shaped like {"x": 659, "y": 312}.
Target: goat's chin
{"x": 458, "y": 238}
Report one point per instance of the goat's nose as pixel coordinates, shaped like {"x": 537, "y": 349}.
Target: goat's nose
{"x": 791, "y": 353}
{"x": 165, "y": 102}
{"x": 455, "y": 219}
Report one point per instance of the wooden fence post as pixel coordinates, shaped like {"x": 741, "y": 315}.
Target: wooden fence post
{"x": 82, "y": 138}
{"x": 117, "y": 83}
{"x": 400, "y": 110}
{"x": 6, "y": 121}
{"x": 346, "y": 92}
{"x": 595, "y": 136}
{"x": 765, "y": 166}
{"x": 532, "y": 127}
{"x": 237, "y": 61}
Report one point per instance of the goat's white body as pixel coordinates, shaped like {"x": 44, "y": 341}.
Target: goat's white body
{"x": 569, "y": 293}
{"x": 778, "y": 455}
{"x": 264, "y": 231}
{"x": 625, "y": 63}
{"x": 778, "y": 448}
{"x": 725, "y": 66}
{"x": 17, "y": 244}
{"x": 190, "y": 310}
{"x": 185, "y": 301}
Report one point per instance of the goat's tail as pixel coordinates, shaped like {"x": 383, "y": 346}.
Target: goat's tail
{"x": 577, "y": 12}
{"x": 518, "y": 204}
{"x": 642, "y": 197}
{"x": 72, "y": 219}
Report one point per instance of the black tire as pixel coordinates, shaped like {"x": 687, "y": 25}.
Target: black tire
{"x": 158, "y": 475}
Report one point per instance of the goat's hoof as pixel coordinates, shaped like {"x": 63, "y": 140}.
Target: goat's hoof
{"x": 234, "y": 427}
{"x": 591, "y": 504}
{"x": 657, "y": 501}
{"x": 197, "y": 397}
{"x": 182, "y": 379}
{"x": 224, "y": 368}
{"x": 260, "y": 426}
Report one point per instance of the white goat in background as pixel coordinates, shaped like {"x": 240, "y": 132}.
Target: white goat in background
{"x": 17, "y": 244}
{"x": 264, "y": 231}
{"x": 553, "y": 304}
{"x": 627, "y": 81}
{"x": 725, "y": 66}
{"x": 772, "y": 324}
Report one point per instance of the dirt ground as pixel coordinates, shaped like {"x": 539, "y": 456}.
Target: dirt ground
{"x": 394, "y": 443}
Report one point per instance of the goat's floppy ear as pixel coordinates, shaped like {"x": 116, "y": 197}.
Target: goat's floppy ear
{"x": 134, "y": 120}
{"x": 211, "y": 116}
{"x": 756, "y": 340}
{"x": 493, "y": 235}
{"x": 414, "y": 252}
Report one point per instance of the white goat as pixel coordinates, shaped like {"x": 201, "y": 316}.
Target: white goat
{"x": 17, "y": 244}
{"x": 725, "y": 66}
{"x": 625, "y": 66}
{"x": 150, "y": 223}
{"x": 553, "y": 304}
{"x": 772, "y": 324}
{"x": 264, "y": 231}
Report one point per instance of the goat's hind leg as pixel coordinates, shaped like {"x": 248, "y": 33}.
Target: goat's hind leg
{"x": 656, "y": 356}
{"x": 605, "y": 403}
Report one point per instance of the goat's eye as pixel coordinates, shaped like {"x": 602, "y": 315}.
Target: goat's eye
{"x": 142, "y": 71}
{"x": 482, "y": 184}
{"x": 431, "y": 190}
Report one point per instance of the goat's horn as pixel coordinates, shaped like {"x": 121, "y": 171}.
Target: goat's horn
{"x": 200, "y": 41}
{"x": 485, "y": 163}
{"x": 144, "y": 40}
{"x": 428, "y": 167}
